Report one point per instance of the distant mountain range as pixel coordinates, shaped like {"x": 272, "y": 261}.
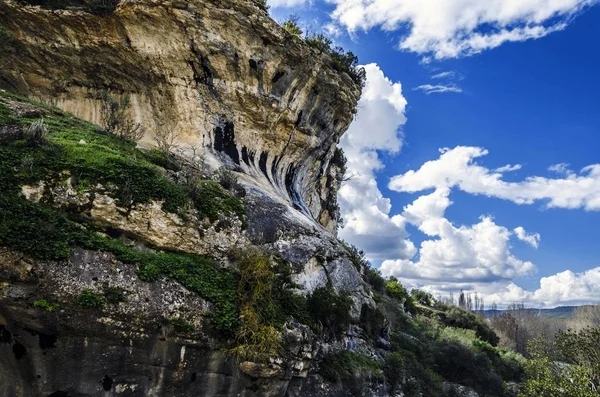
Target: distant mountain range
{"x": 557, "y": 312}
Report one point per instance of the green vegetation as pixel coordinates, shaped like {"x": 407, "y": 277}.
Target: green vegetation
{"x": 396, "y": 290}
{"x": 88, "y": 298}
{"x": 181, "y": 325}
{"x": 341, "y": 61}
{"x": 460, "y": 318}
{"x": 330, "y": 311}
{"x": 344, "y": 366}
{"x": 46, "y": 305}
{"x": 115, "y": 118}
{"x": 291, "y": 26}
{"x": 568, "y": 365}
{"x": 44, "y": 232}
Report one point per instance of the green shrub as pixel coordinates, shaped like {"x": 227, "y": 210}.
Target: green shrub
{"x": 330, "y": 310}
{"x": 181, "y": 325}
{"x": 319, "y": 41}
{"x": 211, "y": 200}
{"x": 396, "y": 290}
{"x": 422, "y": 297}
{"x": 291, "y": 26}
{"x": 88, "y": 298}
{"x": 457, "y": 317}
{"x": 46, "y": 305}
{"x": 113, "y": 295}
{"x": 115, "y": 119}
{"x": 372, "y": 321}
{"x": 344, "y": 366}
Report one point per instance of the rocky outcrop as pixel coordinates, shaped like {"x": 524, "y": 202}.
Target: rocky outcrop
{"x": 229, "y": 87}
{"x": 220, "y": 75}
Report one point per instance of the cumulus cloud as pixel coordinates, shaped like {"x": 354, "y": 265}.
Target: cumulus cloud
{"x": 454, "y": 28}
{"x": 564, "y": 288}
{"x": 532, "y": 239}
{"x": 438, "y": 89}
{"x": 366, "y": 212}
{"x": 462, "y": 256}
{"x": 457, "y": 168}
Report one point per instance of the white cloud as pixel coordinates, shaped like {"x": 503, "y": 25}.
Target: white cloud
{"x": 457, "y": 168}
{"x": 564, "y": 288}
{"x": 508, "y": 168}
{"x": 366, "y": 212}
{"x": 444, "y": 75}
{"x": 560, "y": 168}
{"x": 461, "y": 256}
{"x": 436, "y": 89}
{"x": 532, "y": 239}
{"x": 453, "y": 28}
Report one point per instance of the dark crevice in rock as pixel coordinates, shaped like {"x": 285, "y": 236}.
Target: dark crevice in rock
{"x": 47, "y": 341}
{"x": 277, "y": 76}
{"x": 19, "y": 350}
{"x": 257, "y": 68}
{"x": 107, "y": 383}
{"x": 262, "y": 163}
{"x": 5, "y": 335}
{"x": 225, "y": 141}
{"x": 298, "y": 119}
{"x": 274, "y": 169}
{"x": 194, "y": 376}
{"x": 245, "y": 158}
{"x": 203, "y": 71}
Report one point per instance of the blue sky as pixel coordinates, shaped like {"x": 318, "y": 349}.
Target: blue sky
{"x": 533, "y": 103}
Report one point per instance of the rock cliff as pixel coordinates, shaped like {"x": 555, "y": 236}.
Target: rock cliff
{"x": 209, "y": 267}
{"x": 229, "y": 89}
{"x": 219, "y": 75}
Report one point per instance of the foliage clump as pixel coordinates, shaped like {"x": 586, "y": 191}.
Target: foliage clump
{"x": 90, "y": 299}
{"x": 181, "y": 325}
{"x": 460, "y": 318}
{"x": 396, "y": 290}
{"x": 346, "y": 366}
{"x": 330, "y": 311}
{"x": 257, "y": 339}
{"x": 340, "y": 60}
{"x": 291, "y": 26}
{"x": 115, "y": 118}
{"x": 46, "y": 305}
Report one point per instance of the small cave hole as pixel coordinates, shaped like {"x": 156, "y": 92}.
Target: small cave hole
{"x": 5, "y": 335}
{"x": 47, "y": 341}
{"x": 299, "y": 119}
{"x": 253, "y": 65}
{"x": 107, "y": 383}
{"x": 277, "y": 76}
{"x": 19, "y": 350}
{"x": 194, "y": 377}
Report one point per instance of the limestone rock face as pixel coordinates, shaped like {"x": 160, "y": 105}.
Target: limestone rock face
{"x": 231, "y": 87}
{"x": 221, "y": 76}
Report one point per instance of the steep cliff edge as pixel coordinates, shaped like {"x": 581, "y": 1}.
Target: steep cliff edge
{"x": 221, "y": 75}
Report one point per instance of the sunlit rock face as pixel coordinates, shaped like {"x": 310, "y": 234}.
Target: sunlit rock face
{"x": 221, "y": 75}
